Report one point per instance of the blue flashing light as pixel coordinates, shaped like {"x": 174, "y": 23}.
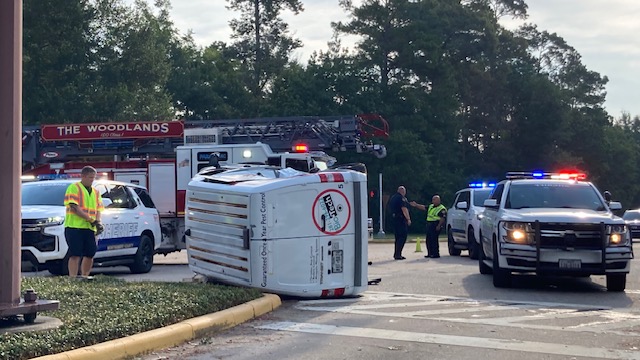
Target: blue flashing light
{"x": 537, "y": 174}
{"x": 480, "y": 185}
{"x": 57, "y": 176}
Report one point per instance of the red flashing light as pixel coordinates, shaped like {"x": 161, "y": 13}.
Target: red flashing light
{"x": 570, "y": 175}
{"x": 332, "y": 292}
{"x": 300, "y": 148}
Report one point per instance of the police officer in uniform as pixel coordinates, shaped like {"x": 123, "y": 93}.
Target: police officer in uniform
{"x": 399, "y": 207}
{"x": 436, "y": 217}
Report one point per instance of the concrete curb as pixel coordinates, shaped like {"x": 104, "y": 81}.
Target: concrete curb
{"x": 171, "y": 335}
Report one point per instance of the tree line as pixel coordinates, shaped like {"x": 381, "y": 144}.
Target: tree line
{"x": 466, "y": 98}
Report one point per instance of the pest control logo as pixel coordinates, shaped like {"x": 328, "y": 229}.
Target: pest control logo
{"x": 331, "y": 212}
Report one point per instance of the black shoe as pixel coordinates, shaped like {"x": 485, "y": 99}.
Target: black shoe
{"x": 427, "y": 256}
{"x": 399, "y": 258}
{"x": 435, "y": 256}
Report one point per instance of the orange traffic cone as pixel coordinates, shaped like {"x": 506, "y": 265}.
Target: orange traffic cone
{"x": 418, "y": 247}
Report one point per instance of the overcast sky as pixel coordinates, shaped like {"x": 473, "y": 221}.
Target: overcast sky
{"x": 605, "y": 32}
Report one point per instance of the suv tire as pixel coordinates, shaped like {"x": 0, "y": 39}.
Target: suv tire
{"x": 484, "y": 268}
{"x": 616, "y": 282}
{"x": 143, "y": 261}
{"x": 60, "y": 267}
{"x": 473, "y": 245}
{"x": 501, "y": 277}
{"x": 452, "y": 244}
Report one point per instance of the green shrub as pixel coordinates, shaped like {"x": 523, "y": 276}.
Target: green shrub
{"x": 108, "y": 308}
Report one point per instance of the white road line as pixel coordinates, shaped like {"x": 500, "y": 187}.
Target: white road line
{"x": 542, "y": 304}
{"x": 374, "y": 304}
{"x": 453, "y": 340}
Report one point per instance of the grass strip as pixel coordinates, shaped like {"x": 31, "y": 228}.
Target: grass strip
{"x": 108, "y": 308}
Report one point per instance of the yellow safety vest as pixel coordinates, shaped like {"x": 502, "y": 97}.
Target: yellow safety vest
{"x": 432, "y": 212}
{"x": 91, "y": 204}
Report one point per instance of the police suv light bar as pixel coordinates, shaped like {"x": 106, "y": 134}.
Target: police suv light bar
{"x": 301, "y": 148}
{"x": 479, "y": 185}
{"x": 546, "y": 175}
{"x": 58, "y": 176}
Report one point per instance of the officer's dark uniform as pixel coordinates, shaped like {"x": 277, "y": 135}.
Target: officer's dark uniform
{"x": 401, "y": 228}
{"x": 434, "y": 214}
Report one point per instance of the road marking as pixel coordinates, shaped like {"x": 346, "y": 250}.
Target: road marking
{"x": 485, "y": 312}
{"x": 453, "y": 340}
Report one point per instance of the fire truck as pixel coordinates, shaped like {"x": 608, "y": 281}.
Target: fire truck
{"x": 163, "y": 156}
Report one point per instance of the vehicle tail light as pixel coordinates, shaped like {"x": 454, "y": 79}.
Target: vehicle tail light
{"x": 333, "y": 292}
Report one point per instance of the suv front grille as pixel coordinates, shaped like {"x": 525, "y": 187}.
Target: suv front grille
{"x": 577, "y": 236}
{"x": 32, "y": 235}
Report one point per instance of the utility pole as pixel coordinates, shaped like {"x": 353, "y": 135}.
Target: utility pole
{"x": 11, "y": 164}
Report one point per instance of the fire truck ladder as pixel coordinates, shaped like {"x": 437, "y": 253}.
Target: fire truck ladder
{"x": 336, "y": 133}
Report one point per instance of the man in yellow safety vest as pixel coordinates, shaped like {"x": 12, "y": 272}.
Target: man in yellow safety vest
{"x": 82, "y": 222}
{"x": 436, "y": 217}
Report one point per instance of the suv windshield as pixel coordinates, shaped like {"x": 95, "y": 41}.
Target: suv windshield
{"x": 553, "y": 195}
{"x": 479, "y": 196}
{"x": 43, "y": 193}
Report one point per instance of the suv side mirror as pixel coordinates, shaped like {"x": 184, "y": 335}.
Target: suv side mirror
{"x": 106, "y": 202}
{"x": 491, "y": 203}
{"x": 615, "y": 205}
{"x": 462, "y": 205}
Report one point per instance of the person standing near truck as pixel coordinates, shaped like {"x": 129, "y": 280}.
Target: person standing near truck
{"x": 399, "y": 207}
{"x": 436, "y": 217}
{"x": 82, "y": 222}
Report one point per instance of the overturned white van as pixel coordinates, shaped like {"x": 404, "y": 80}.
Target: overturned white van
{"x": 280, "y": 230}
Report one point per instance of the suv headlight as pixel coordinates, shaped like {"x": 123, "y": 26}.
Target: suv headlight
{"x": 518, "y": 233}
{"x": 51, "y": 221}
{"x": 618, "y": 235}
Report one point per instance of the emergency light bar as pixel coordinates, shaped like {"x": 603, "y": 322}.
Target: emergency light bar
{"x": 58, "y": 176}
{"x": 480, "y": 185}
{"x": 300, "y": 148}
{"x": 573, "y": 175}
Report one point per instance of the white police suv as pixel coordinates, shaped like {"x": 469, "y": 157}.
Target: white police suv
{"x": 552, "y": 224}
{"x": 463, "y": 218}
{"x": 130, "y": 219}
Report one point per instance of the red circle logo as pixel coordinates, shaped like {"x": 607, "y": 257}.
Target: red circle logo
{"x": 331, "y": 212}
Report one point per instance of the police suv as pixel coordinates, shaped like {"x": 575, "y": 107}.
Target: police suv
{"x": 463, "y": 218}
{"x": 553, "y": 224}
{"x": 130, "y": 219}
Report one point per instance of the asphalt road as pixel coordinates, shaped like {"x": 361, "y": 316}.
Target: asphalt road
{"x": 435, "y": 309}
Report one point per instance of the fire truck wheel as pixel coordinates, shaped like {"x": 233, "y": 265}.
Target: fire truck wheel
{"x": 143, "y": 260}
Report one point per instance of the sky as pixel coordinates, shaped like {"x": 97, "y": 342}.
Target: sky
{"x": 605, "y": 32}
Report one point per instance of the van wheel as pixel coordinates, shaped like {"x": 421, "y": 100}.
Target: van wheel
{"x": 473, "y": 245}
{"x": 60, "y": 267}
{"x": 452, "y": 248}
{"x": 616, "y": 282}
{"x": 143, "y": 260}
{"x": 501, "y": 277}
{"x": 484, "y": 268}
